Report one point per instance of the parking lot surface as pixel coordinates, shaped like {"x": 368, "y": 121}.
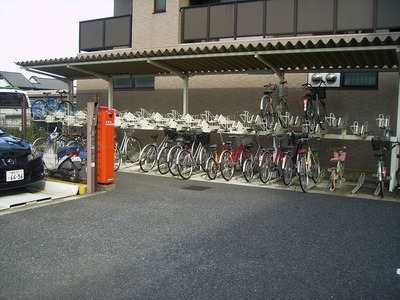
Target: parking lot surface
{"x": 157, "y": 237}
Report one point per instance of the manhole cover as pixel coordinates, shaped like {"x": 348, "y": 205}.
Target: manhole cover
{"x": 196, "y": 188}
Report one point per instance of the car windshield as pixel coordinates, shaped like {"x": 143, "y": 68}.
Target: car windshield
{"x": 2, "y": 131}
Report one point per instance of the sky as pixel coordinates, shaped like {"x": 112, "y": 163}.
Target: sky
{"x": 44, "y": 29}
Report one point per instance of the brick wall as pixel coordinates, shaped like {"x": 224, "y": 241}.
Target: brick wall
{"x": 122, "y": 7}
{"x": 156, "y": 30}
{"x": 228, "y": 94}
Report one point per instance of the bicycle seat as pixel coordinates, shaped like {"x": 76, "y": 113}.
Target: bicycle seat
{"x": 213, "y": 147}
{"x": 228, "y": 143}
{"x": 248, "y": 146}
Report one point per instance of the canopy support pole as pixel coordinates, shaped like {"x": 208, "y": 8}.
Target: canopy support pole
{"x": 393, "y": 158}
{"x": 182, "y": 75}
{"x": 185, "y": 80}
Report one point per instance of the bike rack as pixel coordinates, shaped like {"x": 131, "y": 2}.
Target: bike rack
{"x": 360, "y": 183}
{"x": 360, "y": 130}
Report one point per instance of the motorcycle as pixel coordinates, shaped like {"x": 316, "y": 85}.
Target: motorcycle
{"x": 61, "y": 159}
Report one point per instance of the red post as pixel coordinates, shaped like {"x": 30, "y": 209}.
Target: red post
{"x": 105, "y": 145}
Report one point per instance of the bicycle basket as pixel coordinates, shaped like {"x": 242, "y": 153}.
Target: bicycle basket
{"x": 339, "y": 154}
{"x": 171, "y": 133}
{"x": 204, "y": 138}
{"x": 377, "y": 143}
{"x": 295, "y": 137}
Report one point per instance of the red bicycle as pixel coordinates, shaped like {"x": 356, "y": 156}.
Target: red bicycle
{"x": 271, "y": 161}
{"x": 232, "y": 160}
{"x": 212, "y": 164}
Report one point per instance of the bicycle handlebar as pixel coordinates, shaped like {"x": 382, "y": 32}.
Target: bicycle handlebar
{"x": 62, "y": 92}
{"x": 309, "y": 86}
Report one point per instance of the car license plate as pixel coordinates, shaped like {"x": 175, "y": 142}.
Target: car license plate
{"x": 14, "y": 175}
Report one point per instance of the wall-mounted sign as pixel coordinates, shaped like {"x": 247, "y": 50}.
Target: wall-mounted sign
{"x": 330, "y": 79}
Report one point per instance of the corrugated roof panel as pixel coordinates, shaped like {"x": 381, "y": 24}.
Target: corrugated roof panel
{"x": 289, "y": 54}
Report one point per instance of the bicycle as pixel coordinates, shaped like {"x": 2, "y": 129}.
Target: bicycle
{"x": 308, "y": 163}
{"x": 174, "y": 151}
{"x": 40, "y": 143}
{"x": 162, "y": 157}
{"x": 212, "y": 163}
{"x": 231, "y": 159}
{"x": 381, "y": 174}
{"x": 289, "y": 160}
{"x": 337, "y": 172}
{"x": 314, "y": 106}
{"x": 271, "y": 160}
{"x": 128, "y": 149}
{"x": 252, "y": 164}
{"x": 271, "y": 112}
{"x": 41, "y": 108}
{"x": 149, "y": 154}
{"x": 193, "y": 155}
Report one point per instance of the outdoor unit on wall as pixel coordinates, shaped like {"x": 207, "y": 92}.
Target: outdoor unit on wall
{"x": 331, "y": 79}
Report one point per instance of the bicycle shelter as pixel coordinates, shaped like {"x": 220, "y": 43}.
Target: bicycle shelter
{"x": 359, "y": 52}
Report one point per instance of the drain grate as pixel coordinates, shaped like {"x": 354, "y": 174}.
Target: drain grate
{"x": 196, "y": 188}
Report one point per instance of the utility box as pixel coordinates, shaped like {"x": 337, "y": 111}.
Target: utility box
{"x": 105, "y": 145}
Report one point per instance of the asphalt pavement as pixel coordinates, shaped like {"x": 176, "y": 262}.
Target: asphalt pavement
{"x": 158, "y": 237}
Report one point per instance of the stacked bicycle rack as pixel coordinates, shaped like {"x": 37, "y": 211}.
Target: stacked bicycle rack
{"x": 240, "y": 123}
{"x": 243, "y": 123}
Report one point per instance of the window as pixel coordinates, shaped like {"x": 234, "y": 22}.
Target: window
{"x": 160, "y": 6}
{"x": 134, "y": 83}
{"x": 360, "y": 80}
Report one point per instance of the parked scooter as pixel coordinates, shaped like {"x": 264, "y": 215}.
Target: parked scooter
{"x": 61, "y": 159}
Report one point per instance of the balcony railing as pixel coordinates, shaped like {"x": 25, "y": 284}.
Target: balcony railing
{"x": 272, "y": 18}
{"x": 105, "y": 34}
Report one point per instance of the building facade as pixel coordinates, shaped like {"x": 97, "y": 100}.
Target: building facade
{"x": 364, "y": 91}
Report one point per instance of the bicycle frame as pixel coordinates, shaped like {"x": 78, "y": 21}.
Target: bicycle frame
{"x": 380, "y": 152}
{"x": 123, "y": 146}
{"x": 237, "y": 155}
{"x": 307, "y": 164}
{"x": 313, "y": 106}
{"x": 338, "y": 170}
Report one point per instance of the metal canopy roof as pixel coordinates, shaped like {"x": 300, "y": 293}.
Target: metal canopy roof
{"x": 374, "y": 52}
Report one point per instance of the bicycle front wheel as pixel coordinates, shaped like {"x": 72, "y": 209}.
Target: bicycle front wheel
{"x": 184, "y": 163}
{"x": 133, "y": 149}
{"x": 162, "y": 160}
{"x": 39, "y": 110}
{"x": 302, "y": 171}
{"x": 171, "y": 158}
{"x": 65, "y": 107}
{"x": 226, "y": 165}
{"x": 283, "y": 111}
{"x": 148, "y": 158}
{"x": 266, "y": 167}
{"x": 40, "y": 145}
{"x": 117, "y": 158}
{"x": 287, "y": 168}
{"x": 315, "y": 168}
{"x": 212, "y": 168}
{"x": 205, "y": 154}
{"x": 333, "y": 179}
{"x": 248, "y": 170}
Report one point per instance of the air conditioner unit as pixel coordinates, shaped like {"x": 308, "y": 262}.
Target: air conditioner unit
{"x": 331, "y": 79}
